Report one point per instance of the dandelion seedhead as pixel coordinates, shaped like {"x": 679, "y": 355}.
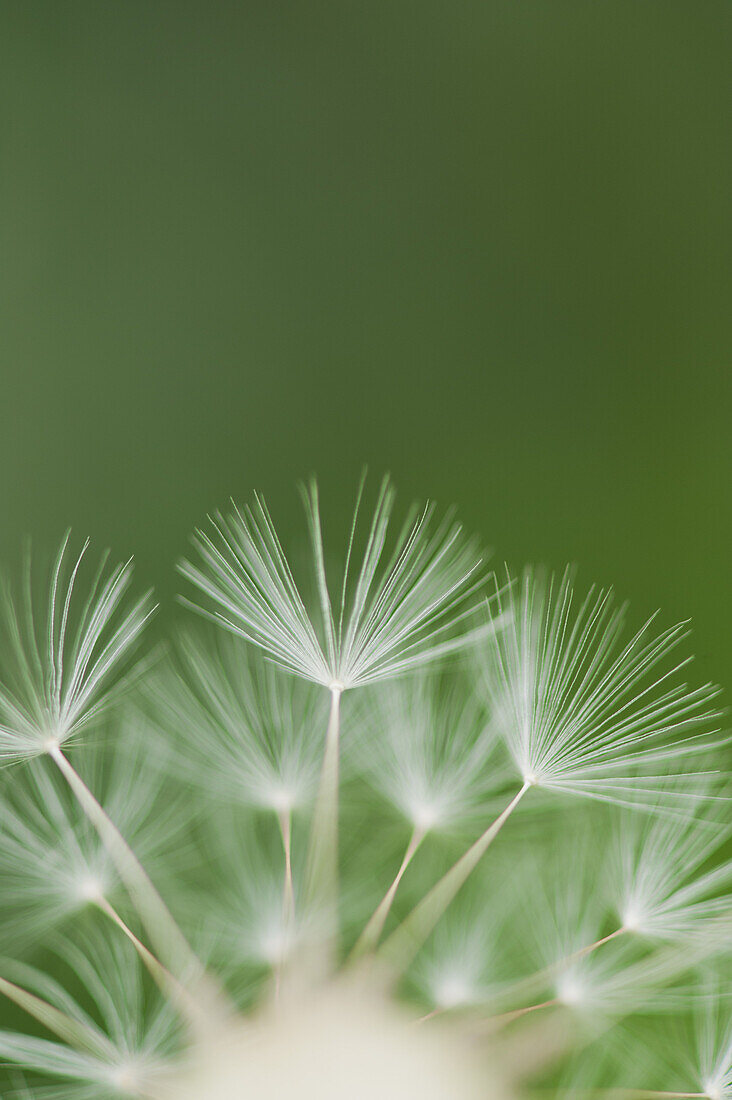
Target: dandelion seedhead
{"x": 209, "y": 895}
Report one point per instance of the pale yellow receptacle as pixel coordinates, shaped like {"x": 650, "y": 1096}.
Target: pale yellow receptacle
{"x": 343, "y": 1041}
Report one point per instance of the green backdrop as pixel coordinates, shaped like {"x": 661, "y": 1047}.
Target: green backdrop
{"x": 484, "y": 245}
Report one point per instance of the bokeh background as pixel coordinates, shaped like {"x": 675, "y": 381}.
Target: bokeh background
{"x": 484, "y": 245}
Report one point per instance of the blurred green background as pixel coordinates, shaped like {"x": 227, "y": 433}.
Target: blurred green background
{"x": 484, "y": 245}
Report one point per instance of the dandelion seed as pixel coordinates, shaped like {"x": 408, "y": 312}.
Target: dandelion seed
{"x": 46, "y": 861}
{"x": 714, "y": 1048}
{"x": 131, "y": 1040}
{"x": 583, "y": 711}
{"x": 241, "y": 729}
{"x": 664, "y": 883}
{"x": 471, "y": 958}
{"x": 52, "y": 862}
{"x": 404, "y": 943}
{"x": 567, "y": 700}
{"x": 262, "y": 919}
{"x": 404, "y": 607}
{"x": 580, "y": 964}
{"x": 426, "y": 746}
{"x": 56, "y": 680}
